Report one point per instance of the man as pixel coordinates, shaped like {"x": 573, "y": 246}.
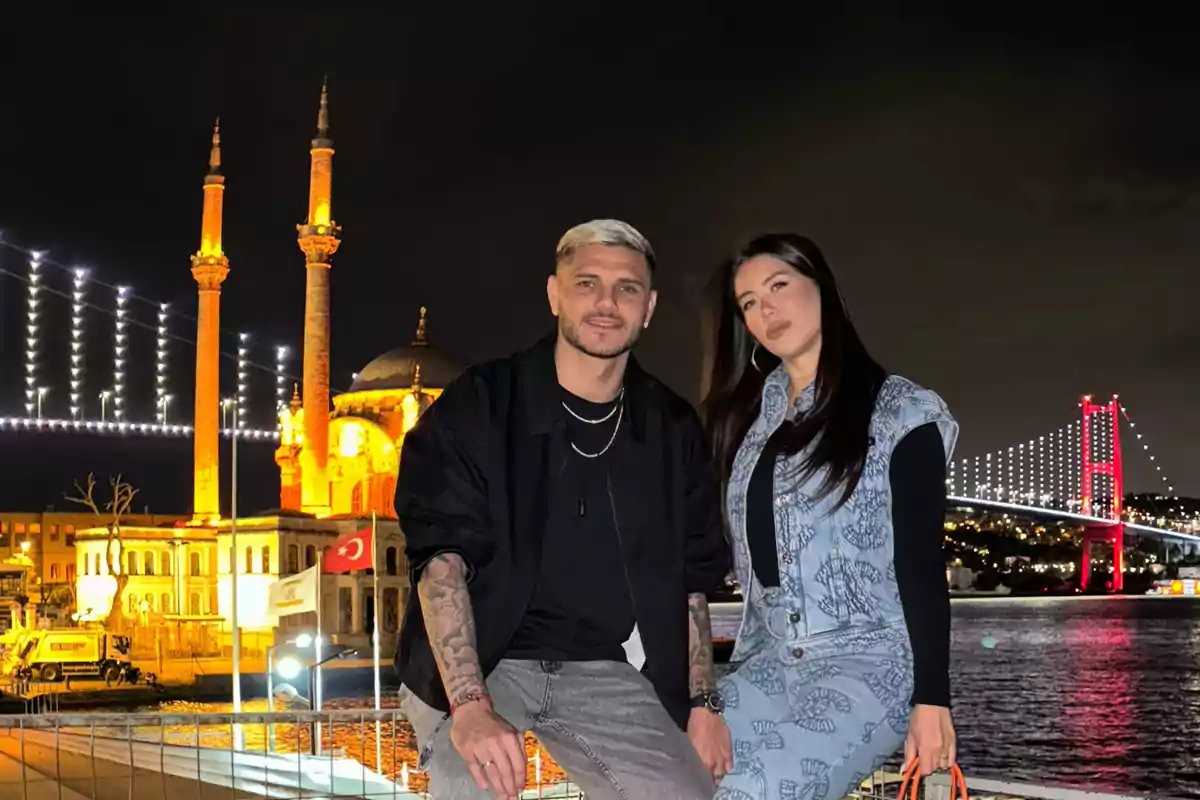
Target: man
{"x": 552, "y": 501}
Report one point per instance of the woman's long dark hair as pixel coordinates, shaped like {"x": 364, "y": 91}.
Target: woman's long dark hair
{"x": 846, "y": 385}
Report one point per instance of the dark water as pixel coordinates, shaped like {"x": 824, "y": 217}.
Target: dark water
{"x": 1091, "y": 692}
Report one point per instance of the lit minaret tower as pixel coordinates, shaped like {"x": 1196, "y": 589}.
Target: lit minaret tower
{"x": 319, "y": 240}
{"x": 210, "y": 268}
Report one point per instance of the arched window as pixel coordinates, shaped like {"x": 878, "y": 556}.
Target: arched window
{"x": 356, "y": 498}
{"x": 293, "y": 559}
{"x": 194, "y": 560}
{"x": 310, "y": 556}
{"x": 164, "y": 603}
{"x": 87, "y": 565}
{"x": 266, "y": 560}
{"x": 194, "y": 609}
{"x": 96, "y": 561}
{"x": 390, "y": 564}
{"x": 249, "y": 560}
{"x": 388, "y": 492}
{"x": 148, "y": 562}
{"x": 54, "y": 572}
{"x": 166, "y": 564}
{"x": 132, "y": 558}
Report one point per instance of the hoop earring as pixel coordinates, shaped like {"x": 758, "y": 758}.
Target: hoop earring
{"x": 754, "y": 353}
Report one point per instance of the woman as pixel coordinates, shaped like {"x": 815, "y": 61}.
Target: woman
{"x": 834, "y": 477}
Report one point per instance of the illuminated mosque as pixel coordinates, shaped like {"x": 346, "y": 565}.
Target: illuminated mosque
{"x": 337, "y": 467}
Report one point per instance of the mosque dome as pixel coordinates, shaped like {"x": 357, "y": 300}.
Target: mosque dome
{"x": 398, "y": 368}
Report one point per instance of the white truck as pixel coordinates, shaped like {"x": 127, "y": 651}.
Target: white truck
{"x": 51, "y": 655}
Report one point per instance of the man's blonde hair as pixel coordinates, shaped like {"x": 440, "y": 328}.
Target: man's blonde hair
{"x": 608, "y": 232}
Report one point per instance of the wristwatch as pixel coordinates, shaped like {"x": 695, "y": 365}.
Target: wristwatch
{"x": 709, "y": 701}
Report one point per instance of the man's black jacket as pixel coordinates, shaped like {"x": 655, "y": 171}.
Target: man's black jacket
{"x": 475, "y": 479}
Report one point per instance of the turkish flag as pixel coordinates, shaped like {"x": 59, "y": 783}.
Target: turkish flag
{"x": 350, "y": 552}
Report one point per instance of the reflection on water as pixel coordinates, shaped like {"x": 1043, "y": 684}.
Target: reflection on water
{"x": 1092, "y": 692}
{"x": 1098, "y": 692}
{"x": 356, "y": 740}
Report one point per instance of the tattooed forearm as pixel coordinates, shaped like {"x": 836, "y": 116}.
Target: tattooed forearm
{"x": 700, "y": 646}
{"x": 446, "y": 608}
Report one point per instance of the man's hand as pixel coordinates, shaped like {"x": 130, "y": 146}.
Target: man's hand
{"x": 931, "y": 738}
{"x": 710, "y": 737}
{"x": 493, "y": 749}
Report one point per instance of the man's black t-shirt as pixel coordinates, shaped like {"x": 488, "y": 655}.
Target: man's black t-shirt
{"x": 581, "y": 608}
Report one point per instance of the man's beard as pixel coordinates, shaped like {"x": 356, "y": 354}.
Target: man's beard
{"x": 570, "y": 332}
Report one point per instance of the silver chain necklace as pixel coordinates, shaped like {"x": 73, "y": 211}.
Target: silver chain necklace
{"x": 621, "y": 413}
{"x": 618, "y": 409}
{"x": 605, "y": 418}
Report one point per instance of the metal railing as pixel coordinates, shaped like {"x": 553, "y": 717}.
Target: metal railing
{"x": 310, "y": 755}
{"x": 207, "y": 756}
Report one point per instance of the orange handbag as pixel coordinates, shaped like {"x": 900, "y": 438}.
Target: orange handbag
{"x": 910, "y": 785}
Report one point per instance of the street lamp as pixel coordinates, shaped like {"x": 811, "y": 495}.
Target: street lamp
{"x": 289, "y": 667}
{"x": 233, "y": 579}
{"x": 225, "y": 404}
{"x": 104, "y": 402}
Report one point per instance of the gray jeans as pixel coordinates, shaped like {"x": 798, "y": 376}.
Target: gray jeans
{"x": 600, "y": 720}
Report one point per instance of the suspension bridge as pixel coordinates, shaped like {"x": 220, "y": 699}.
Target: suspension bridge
{"x": 100, "y": 359}
{"x": 1074, "y": 473}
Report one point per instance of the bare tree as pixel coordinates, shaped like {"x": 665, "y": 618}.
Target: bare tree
{"x": 114, "y": 510}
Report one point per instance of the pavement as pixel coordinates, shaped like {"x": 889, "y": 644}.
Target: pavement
{"x": 55, "y": 774}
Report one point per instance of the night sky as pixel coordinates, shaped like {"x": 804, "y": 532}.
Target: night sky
{"x": 1012, "y": 205}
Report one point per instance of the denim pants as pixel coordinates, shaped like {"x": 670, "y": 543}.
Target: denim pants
{"x": 599, "y": 720}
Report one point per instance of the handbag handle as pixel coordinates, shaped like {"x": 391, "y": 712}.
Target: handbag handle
{"x": 910, "y": 785}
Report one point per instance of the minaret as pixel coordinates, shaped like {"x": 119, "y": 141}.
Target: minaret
{"x": 319, "y": 240}
{"x": 209, "y": 268}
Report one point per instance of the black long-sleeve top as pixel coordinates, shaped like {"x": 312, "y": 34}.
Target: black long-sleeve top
{"x": 918, "y": 484}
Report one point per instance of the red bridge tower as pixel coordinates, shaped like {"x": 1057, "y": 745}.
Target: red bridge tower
{"x": 1094, "y": 465}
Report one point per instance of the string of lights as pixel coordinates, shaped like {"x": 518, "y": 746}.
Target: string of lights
{"x": 32, "y": 342}
{"x": 50, "y": 425}
{"x": 243, "y": 386}
{"x": 1074, "y": 463}
{"x": 1146, "y": 449}
{"x": 1022, "y": 493}
{"x": 119, "y": 348}
{"x": 161, "y": 398}
{"x": 77, "y": 351}
{"x": 281, "y": 355}
{"x": 1043, "y": 494}
{"x": 1063, "y": 455}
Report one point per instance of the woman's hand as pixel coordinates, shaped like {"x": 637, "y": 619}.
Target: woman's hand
{"x": 931, "y": 739}
{"x": 710, "y": 737}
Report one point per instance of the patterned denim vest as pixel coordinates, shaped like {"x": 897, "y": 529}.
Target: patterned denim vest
{"x": 836, "y": 572}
